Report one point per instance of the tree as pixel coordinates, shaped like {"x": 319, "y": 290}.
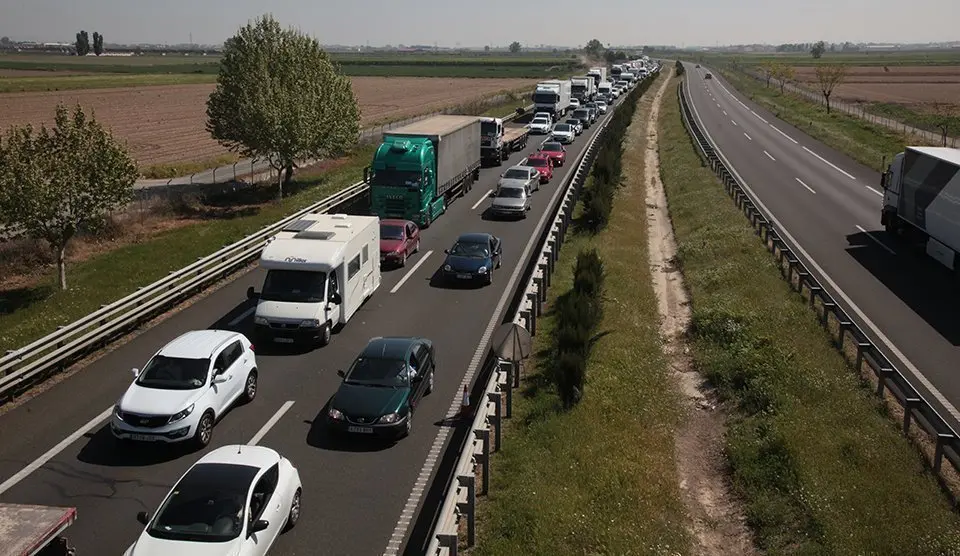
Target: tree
{"x": 486, "y": 48}
{"x": 594, "y": 49}
{"x": 818, "y": 49}
{"x": 83, "y": 43}
{"x": 610, "y": 56}
{"x": 54, "y": 183}
{"x": 828, "y": 77}
{"x": 783, "y": 73}
{"x": 514, "y": 47}
{"x": 768, "y": 69}
{"x": 279, "y": 97}
{"x": 944, "y": 116}
{"x": 97, "y": 43}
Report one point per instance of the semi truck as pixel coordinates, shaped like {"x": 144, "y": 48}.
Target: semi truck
{"x": 498, "y": 140}
{"x": 420, "y": 168}
{"x": 921, "y": 200}
{"x": 553, "y": 97}
{"x": 29, "y": 530}
{"x": 599, "y": 75}
{"x": 583, "y": 88}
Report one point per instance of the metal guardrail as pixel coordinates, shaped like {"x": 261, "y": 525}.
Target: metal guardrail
{"x": 830, "y": 314}
{"x": 56, "y": 351}
{"x": 497, "y": 396}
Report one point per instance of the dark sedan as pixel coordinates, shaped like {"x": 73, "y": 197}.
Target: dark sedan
{"x": 381, "y": 390}
{"x": 473, "y": 257}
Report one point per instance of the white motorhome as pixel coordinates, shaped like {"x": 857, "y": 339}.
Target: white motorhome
{"x": 320, "y": 270}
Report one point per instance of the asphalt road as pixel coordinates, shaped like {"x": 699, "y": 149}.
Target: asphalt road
{"x": 354, "y": 493}
{"x": 905, "y": 301}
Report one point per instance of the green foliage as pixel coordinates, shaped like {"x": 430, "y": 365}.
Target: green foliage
{"x": 515, "y": 47}
{"x": 818, "y": 49}
{"x": 680, "y": 69}
{"x": 279, "y": 97}
{"x": 54, "y": 182}
{"x": 594, "y": 48}
{"x": 97, "y": 43}
{"x": 82, "y": 43}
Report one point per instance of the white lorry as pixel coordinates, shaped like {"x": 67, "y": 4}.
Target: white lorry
{"x": 584, "y": 88}
{"x": 553, "y": 97}
{"x": 599, "y": 75}
{"x": 320, "y": 269}
{"x": 921, "y": 200}
{"x": 28, "y": 530}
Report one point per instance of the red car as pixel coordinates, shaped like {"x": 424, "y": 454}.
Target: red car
{"x": 398, "y": 240}
{"x": 543, "y": 163}
{"x": 556, "y": 152}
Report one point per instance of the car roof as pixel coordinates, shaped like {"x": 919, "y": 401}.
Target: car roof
{"x": 395, "y": 221}
{"x": 389, "y": 347}
{"x": 474, "y": 237}
{"x": 198, "y": 344}
{"x": 242, "y": 454}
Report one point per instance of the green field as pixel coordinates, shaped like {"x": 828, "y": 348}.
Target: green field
{"x": 919, "y": 58}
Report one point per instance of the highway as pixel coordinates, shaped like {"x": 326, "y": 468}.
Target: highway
{"x": 830, "y": 206}
{"x": 56, "y": 448}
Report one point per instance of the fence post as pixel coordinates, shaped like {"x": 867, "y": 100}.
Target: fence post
{"x": 510, "y": 373}
{"x": 496, "y": 398}
{"x": 908, "y": 406}
{"x": 470, "y": 506}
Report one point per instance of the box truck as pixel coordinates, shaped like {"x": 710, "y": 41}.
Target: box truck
{"x": 583, "y": 88}
{"x": 320, "y": 269}
{"x": 499, "y": 140}
{"x": 552, "y": 97}
{"x": 420, "y": 168}
{"x": 599, "y": 75}
{"x": 921, "y": 199}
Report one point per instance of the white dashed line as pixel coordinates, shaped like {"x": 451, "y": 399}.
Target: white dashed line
{"x": 718, "y": 105}
{"x": 747, "y": 136}
{"x": 482, "y": 199}
{"x": 734, "y": 122}
{"x": 775, "y": 128}
{"x": 243, "y": 316}
{"x": 270, "y": 424}
{"x": 410, "y": 272}
{"x": 878, "y": 242}
{"x": 828, "y": 163}
{"x": 805, "y": 185}
{"x": 725, "y": 113}
{"x": 770, "y": 156}
{"x": 874, "y": 190}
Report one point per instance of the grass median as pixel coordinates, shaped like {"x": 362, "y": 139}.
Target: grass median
{"x": 599, "y": 478}
{"x": 822, "y": 470}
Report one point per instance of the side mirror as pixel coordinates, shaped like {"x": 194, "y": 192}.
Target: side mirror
{"x": 143, "y": 517}
{"x": 251, "y": 293}
{"x": 336, "y": 298}
{"x": 219, "y": 378}
{"x": 446, "y": 251}
{"x": 259, "y": 525}
{"x": 529, "y": 207}
{"x": 135, "y": 371}
{"x": 341, "y": 374}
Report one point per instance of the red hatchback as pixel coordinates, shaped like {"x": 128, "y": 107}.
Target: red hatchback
{"x": 556, "y": 152}
{"x": 543, "y": 163}
{"x": 398, "y": 240}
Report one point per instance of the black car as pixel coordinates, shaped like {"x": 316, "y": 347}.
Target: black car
{"x": 381, "y": 390}
{"x": 473, "y": 257}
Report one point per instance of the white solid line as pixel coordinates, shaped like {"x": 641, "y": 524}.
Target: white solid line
{"x": 482, "y": 199}
{"x": 725, "y": 113}
{"x": 770, "y": 156}
{"x": 718, "y": 105}
{"x": 52, "y": 452}
{"x": 880, "y": 243}
{"x": 777, "y": 129}
{"x": 269, "y": 424}
{"x": 805, "y": 185}
{"x": 828, "y": 163}
{"x": 747, "y": 136}
{"x": 242, "y": 316}
{"x": 874, "y": 190}
{"x": 759, "y": 116}
{"x": 734, "y": 122}
{"x": 410, "y": 272}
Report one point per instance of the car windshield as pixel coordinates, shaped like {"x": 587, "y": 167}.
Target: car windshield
{"x": 206, "y": 505}
{"x": 516, "y": 174}
{"x": 174, "y": 373}
{"x": 552, "y": 147}
{"x": 540, "y": 121}
{"x": 473, "y": 249}
{"x": 391, "y": 231}
{"x": 509, "y": 193}
{"x": 377, "y": 371}
{"x": 294, "y": 286}
{"x": 396, "y": 178}
{"x": 536, "y": 162}
{"x": 562, "y": 127}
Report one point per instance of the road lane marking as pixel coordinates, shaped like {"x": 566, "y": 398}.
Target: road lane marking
{"x": 777, "y": 129}
{"x": 718, "y": 105}
{"x": 747, "y": 136}
{"x": 725, "y": 113}
{"x": 482, "y": 199}
{"x": 805, "y": 185}
{"x": 874, "y": 190}
{"x": 759, "y": 116}
{"x": 270, "y": 423}
{"x": 828, "y": 163}
{"x": 734, "y": 122}
{"x": 410, "y": 272}
{"x": 52, "y": 452}
{"x": 243, "y": 316}
{"x": 874, "y": 238}
{"x": 770, "y": 156}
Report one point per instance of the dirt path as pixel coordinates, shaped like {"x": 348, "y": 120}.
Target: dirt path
{"x": 717, "y": 521}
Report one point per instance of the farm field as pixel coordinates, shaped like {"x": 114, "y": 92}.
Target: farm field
{"x": 164, "y": 124}
{"x": 907, "y": 85}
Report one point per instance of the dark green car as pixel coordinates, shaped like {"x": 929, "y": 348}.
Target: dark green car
{"x": 380, "y": 392}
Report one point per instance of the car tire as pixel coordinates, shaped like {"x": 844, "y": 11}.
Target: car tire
{"x": 250, "y": 387}
{"x": 326, "y": 334}
{"x": 408, "y": 428}
{"x": 490, "y": 277}
{"x": 416, "y": 247}
{"x": 430, "y": 382}
{"x": 294, "y": 516}
{"x": 204, "y": 432}
{"x": 403, "y": 259}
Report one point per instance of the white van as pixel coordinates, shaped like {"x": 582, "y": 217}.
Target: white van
{"x": 320, "y": 269}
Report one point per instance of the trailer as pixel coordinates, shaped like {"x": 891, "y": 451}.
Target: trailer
{"x": 921, "y": 200}
{"x": 500, "y": 140}
{"x": 553, "y": 97}
{"x": 420, "y": 168}
{"x": 28, "y": 530}
{"x": 599, "y": 75}
{"x": 583, "y": 88}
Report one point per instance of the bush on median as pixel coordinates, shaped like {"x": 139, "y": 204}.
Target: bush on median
{"x": 578, "y": 313}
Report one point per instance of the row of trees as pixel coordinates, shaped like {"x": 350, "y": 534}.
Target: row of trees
{"x": 83, "y": 45}
{"x": 279, "y": 97}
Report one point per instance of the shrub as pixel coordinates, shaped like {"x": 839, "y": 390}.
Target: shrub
{"x": 570, "y": 374}
{"x": 680, "y": 69}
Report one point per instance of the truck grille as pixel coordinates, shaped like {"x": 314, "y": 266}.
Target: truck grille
{"x": 395, "y": 206}
{"x": 145, "y": 421}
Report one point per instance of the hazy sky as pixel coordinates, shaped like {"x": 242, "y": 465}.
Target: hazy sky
{"x": 496, "y": 22}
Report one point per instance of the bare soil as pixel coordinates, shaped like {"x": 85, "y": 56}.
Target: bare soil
{"x": 165, "y": 124}
{"x": 717, "y": 518}
{"x": 908, "y": 85}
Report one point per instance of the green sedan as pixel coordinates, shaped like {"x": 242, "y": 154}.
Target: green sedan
{"x": 383, "y": 387}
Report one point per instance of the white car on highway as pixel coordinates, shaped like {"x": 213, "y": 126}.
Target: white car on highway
{"x": 564, "y": 133}
{"x": 185, "y": 388}
{"x": 235, "y": 501}
{"x": 602, "y": 106}
{"x": 574, "y": 104}
{"x": 540, "y": 125}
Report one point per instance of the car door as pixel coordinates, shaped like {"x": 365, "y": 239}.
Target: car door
{"x": 412, "y": 236}
{"x": 333, "y": 291}
{"x": 417, "y": 383}
{"x": 268, "y": 504}
{"x": 426, "y": 363}
{"x": 224, "y": 366}
{"x": 237, "y": 359}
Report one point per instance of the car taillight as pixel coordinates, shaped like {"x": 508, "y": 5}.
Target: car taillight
{"x": 251, "y": 348}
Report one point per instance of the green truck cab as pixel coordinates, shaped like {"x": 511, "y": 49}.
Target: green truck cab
{"x": 420, "y": 168}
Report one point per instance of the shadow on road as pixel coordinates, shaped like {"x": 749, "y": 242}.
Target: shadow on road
{"x": 322, "y": 437}
{"x": 104, "y": 449}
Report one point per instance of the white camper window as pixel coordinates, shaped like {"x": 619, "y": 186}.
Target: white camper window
{"x": 353, "y": 268}
{"x": 365, "y": 251}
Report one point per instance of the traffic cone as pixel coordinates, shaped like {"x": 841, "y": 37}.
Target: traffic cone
{"x": 465, "y": 404}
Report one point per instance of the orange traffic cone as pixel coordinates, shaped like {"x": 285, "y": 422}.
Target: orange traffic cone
{"x": 465, "y": 404}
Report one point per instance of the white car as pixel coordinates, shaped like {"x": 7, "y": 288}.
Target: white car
{"x": 564, "y": 133}
{"x": 540, "y": 125}
{"x": 574, "y": 103}
{"x": 185, "y": 388}
{"x": 546, "y": 115}
{"x": 234, "y": 501}
{"x": 602, "y": 106}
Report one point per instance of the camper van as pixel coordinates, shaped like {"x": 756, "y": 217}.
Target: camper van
{"x": 320, "y": 269}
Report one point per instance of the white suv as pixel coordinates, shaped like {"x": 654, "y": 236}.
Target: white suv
{"x": 185, "y": 388}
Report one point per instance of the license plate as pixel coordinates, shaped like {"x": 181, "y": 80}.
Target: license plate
{"x": 363, "y": 430}
{"x": 283, "y": 340}
{"x": 143, "y": 437}
{"x": 464, "y": 276}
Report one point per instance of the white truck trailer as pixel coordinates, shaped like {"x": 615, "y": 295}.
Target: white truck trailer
{"x": 553, "y": 97}
{"x": 320, "y": 270}
{"x": 583, "y": 88}
{"x": 599, "y": 75}
{"x": 28, "y": 530}
{"x": 921, "y": 200}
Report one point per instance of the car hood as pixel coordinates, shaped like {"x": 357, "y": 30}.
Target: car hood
{"x": 466, "y": 264}
{"x": 150, "y": 546}
{"x": 390, "y": 245}
{"x": 154, "y": 401}
{"x": 540, "y": 126}
{"x": 293, "y": 310}
{"x": 357, "y": 400}
{"x": 511, "y": 202}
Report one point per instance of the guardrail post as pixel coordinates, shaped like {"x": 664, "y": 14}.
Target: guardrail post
{"x": 449, "y": 541}
{"x": 828, "y": 307}
{"x": 554, "y": 248}
{"x": 862, "y": 347}
{"x": 510, "y": 372}
{"x": 909, "y": 405}
{"x": 544, "y": 269}
{"x": 845, "y": 326}
{"x": 469, "y": 507}
{"x": 496, "y": 420}
{"x": 942, "y": 438}
{"x": 815, "y": 291}
{"x": 882, "y": 375}
{"x": 532, "y": 298}
{"x": 484, "y": 435}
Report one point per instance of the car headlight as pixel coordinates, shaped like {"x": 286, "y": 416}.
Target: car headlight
{"x": 482, "y": 270}
{"x": 310, "y": 323}
{"x": 182, "y": 415}
{"x": 335, "y": 414}
{"x": 447, "y": 267}
{"x": 261, "y": 321}
{"x": 117, "y": 411}
{"x": 390, "y": 418}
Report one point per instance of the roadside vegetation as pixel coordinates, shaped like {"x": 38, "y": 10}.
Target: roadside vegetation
{"x": 820, "y": 467}
{"x": 587, "y": 466}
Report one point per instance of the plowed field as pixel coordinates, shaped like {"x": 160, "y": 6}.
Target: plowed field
{"x": 165, "y": 124}
{"x": 907, "y": 85}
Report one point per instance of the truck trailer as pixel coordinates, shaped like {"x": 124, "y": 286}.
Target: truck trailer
{"x": 420, "y": 168}
{"x": 499, "y": 140}
{"x": 921, "y": 200}
{"x": 553, "y": 97}
{"x": 599, "y": 75}
{"x": 583, "y": 88}
{"x": 29, "y": 530}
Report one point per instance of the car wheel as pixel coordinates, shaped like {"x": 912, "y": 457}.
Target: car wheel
{"x": 490, "y": 277}
{"x": 250, "y": 388}
{"x": 416, "y": 247}
{"x": 430, "y": 382}
{"x": 294, "y": 516}
{"x": 403, "y": 259}
{"x": 204, "y": 430}
{"x": 409, "y": 426}
{"x": 325, "y": 335}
